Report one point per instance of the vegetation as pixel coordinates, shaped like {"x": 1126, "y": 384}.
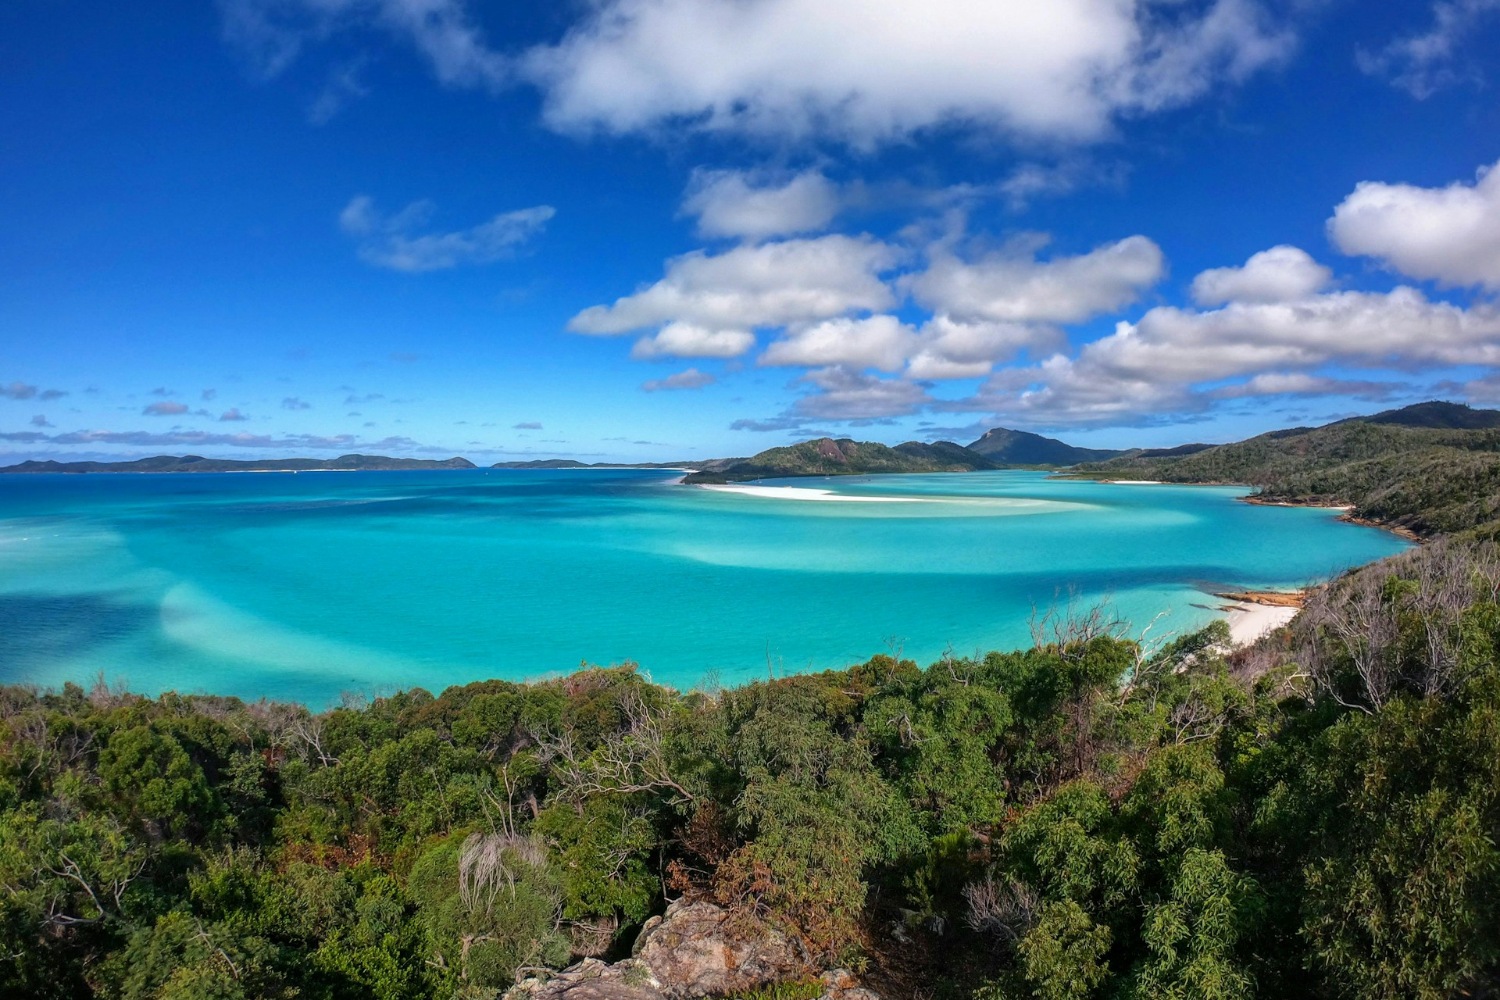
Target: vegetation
{"x": 1007, "y": 447}
{"x": 1315, "y": 816}
{"x": 999, "y": 448}
{"x": 1432, "y": 468}
{"x": 844, "y": 457}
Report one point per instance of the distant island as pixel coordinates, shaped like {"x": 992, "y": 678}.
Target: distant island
{"x": 1425, "y": 469}
{"x": 1000, "y": 448}
{"x": 197, "y": 463}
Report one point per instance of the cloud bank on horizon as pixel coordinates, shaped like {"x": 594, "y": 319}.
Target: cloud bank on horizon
{"x": 854, "y": 214}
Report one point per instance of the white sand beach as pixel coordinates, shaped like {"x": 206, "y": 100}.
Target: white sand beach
{"x": 808, "y": 493}
{"x": 1248, "y": 622}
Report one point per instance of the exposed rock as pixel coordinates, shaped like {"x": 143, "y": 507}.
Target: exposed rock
{"x": 592, "y": 979}
{"x": 698, "y": 949}
{"x": 840, "y": 984}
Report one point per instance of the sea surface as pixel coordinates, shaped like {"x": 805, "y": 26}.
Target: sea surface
{"x": 309, "y": 586}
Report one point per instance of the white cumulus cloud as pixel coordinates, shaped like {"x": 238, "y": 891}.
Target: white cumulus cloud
{"x": 1172, "y": 359}
{"x": 1013, "y": 285}
{"x": 1449, "y": 234}
{"x": 841, "y": 394}
{"x": 869, "y": 71}
{"x": 1280, "y": 274}
{"x": 688, "y": 340}
{"x": 950, "y": 349}
{"x": 769, "y": 285}
{"x": 880, "y": 341}
{"x": 757, "y": 206}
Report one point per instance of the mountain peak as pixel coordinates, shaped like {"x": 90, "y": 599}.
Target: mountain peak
{"x": 1005, "y": 446}
{"x": 1435, "y": 413}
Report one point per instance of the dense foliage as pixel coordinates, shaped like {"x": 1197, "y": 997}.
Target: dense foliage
{"x": 1396, "y": 468}
{"x": 843, "y": 457}
{"x": 1316, "y": 816}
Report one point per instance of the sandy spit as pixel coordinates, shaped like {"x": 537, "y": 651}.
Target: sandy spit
{"x": 806, "y": 493}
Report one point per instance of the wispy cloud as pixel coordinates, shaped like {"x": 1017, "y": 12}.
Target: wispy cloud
{"x": 343, "y": 87}
{"x": 166, "y": 408}
{"x": 23, "y": 390}
{"x": 528, "y": 425}
{"x": 273, "y": 33}
{"x": 397, "y": 243}
{"x": 692, "y": 378}
{"x": 1428, "y": 61}
{"x": 293, "y": 403}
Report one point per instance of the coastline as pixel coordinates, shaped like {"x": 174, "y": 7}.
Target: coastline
{"x": 1254, "y": 613}
{"x": 1348, "y": 516}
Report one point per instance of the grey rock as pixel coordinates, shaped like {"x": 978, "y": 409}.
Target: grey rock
{"x": 696, "y": 950}
{"x": 699, "y": 949}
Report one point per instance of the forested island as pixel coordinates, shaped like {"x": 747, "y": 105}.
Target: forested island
{"x": 999, "y": 448}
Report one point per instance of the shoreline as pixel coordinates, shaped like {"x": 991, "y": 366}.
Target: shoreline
{"x": 1348, "y": 516}
{"x": 1255, "y": 613}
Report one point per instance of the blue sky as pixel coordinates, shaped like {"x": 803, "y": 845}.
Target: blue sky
{"x": 652, "y": 229}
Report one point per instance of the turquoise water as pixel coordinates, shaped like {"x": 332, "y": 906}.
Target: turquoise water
{"x": 307, "y": 586}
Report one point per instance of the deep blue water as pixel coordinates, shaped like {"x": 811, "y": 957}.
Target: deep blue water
{"x": 309, "y": 585}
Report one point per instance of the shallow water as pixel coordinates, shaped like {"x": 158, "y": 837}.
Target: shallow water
{"x": 309, "y": 585}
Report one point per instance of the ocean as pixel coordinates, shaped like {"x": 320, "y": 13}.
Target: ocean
{"x": 313, "y": 586}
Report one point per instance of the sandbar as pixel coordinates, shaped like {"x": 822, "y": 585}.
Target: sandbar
{"x": 809, "y": 493}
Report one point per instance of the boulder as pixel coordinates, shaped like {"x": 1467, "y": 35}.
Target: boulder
{"x": 592, "y": 979}
{"x": 698, "y": 949}
{"x": 840, "y": 984}
{"x": 695, "y": 950}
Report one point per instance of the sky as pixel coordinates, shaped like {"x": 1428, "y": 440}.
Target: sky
{"x": 649, "y": 230}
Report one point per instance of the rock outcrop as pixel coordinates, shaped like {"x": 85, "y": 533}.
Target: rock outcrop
{"x": 699, "y": 949}
{"x": 695, "y": 950}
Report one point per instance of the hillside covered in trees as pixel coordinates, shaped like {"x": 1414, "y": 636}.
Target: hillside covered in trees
{"x": 1093, "y": 817}
{"x": 843, "y": 457}
{"x": 998, "y": 448}
{"x": 1432, "y": 468}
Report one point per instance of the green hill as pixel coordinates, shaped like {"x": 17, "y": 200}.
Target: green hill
{"x": 1435, "y": 414}
{"x": 1004, "y": 446}
{"x": 844, "y": 457}
{"x": 1430, "y": 468}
